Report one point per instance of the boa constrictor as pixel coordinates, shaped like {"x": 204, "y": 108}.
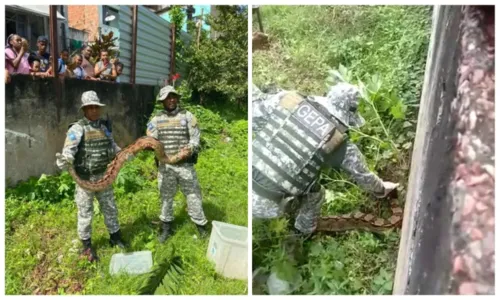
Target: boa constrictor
{"x": 142, "y": 143}
{"x": 362, "y": 221}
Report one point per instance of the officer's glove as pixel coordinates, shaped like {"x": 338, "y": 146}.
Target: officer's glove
{"x": 61, "y": 162}
{"x": 390, "y": 189}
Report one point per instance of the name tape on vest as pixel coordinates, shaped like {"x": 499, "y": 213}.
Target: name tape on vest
{"x": 94, "y": 135}
{"x": 311, "y": 118}
{"x": 171, "y": 123}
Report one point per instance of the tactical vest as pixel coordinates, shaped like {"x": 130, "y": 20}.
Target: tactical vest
{"x": 291, "y": 148}
{"x": 173, "y": 131}
{"x": 95, "y": 150}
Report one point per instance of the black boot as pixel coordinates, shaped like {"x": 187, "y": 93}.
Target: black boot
{"x": 166, "y": 231}
{"x": 304, "y": 236}
{"x": 88, "y": 251}
{"x": 116, "y": 240}
{"x": 202, "y": 229}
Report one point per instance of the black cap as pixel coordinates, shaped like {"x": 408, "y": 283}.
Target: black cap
{"x": 43, "y": 38}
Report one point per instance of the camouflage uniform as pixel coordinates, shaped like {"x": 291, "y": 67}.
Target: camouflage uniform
{"x": 176, "y": 130}
{"x": 90, "y": 147}
{"x": 287, "y": 156}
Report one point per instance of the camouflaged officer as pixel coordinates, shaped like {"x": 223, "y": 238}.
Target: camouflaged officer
{"x": 178, "y": 131}
{"x": 90, "y": 147}
{"x": 295, "y": 137}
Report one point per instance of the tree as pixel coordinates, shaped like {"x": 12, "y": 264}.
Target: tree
{"x": 217, "y": 69}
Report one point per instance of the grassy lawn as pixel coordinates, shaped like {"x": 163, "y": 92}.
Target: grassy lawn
{"x": 383, "y": 47}
{"x": 42, "y": 245}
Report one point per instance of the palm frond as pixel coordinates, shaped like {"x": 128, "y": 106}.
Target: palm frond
{"x": 165, "y": 277}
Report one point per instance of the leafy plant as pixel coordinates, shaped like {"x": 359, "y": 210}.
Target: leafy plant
{"x": 103, "y": 42}
{"x": 216, "y": 67}
{"x": 165, "y": 276}
{"x": 47, "y": 188}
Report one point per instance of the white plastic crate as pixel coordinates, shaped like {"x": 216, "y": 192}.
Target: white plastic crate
{"x": 228, "y": 249}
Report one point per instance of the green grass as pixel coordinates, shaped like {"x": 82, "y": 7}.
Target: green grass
{"x": 385, "y": 48}
{"x": 42, "y": 243}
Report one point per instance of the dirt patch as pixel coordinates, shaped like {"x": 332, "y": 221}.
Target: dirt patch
{"x": 48, "y": 277}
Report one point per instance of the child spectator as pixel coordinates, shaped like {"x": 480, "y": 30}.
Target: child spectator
{"x": 62, "y": 62}
{"x": 119, "y": 71}
{"x": 78, "y": 71}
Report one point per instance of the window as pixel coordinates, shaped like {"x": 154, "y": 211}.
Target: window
{"x": 29, "y": 26}
{"x": 37, "y": 29}
{"x": 108, "y": 11}
{"x": 10, "y": 23}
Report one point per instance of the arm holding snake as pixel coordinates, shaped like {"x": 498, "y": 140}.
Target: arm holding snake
{"x": 350, "y": 159}
{"x": 65, "y": 160}
{"x": 73, "y": 137}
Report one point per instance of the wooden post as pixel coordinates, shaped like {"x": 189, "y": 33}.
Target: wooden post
{"x": 134, "y": 44}
{"x": 199, "y": 30}
{"x": 53, "y": 39}
{"x": 172, "y": 52}
{"x": 257, "y": 10}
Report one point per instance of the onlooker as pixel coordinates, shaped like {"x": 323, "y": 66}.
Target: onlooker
{"x": 119, "y": 71}
{"x": 43, "y": 55}
{"x": 86, "y": 64}
{"x": 78, "y": 71}
{"x": 15, "y": 59}
{"x": 104, "y": 69}
{"x": 35, "y": 65}
{"x": 62, "y": 62}
{"x": 7, "y": 76}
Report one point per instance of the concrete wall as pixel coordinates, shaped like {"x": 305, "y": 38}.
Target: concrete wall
{"x": 423, "y": 260}
{"x": 447, "y": 236}
{"x": 37, "y": 120}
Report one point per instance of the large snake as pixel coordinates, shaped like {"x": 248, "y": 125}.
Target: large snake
{"x": 362, "y": 221}
{"x": 142, "y": 143}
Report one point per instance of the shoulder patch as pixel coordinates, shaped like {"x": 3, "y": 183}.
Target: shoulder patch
{"x": 72, "y": 136}
{"x": 71, "y": 139}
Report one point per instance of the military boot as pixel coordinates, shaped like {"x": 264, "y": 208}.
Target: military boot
{"x": 166, "y": 231}
{"x": 88, "y": 251}
{"x": 116, "y": 240}
{"x": 304, "y": 236}
{"x": 202, "y": 230}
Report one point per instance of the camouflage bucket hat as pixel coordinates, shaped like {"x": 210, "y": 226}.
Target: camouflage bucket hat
{"x": 343, "y": 104}
{"x": 90, "y": 98}
{"x": 165, "y": 91}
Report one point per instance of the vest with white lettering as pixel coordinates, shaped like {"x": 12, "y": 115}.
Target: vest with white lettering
{"x": 291, "y": 148}
{"x": 95, "y": 150}
{"x": 173, "y": 131}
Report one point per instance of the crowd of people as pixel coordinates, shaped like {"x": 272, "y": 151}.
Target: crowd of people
{"x": 38, "y": 63}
